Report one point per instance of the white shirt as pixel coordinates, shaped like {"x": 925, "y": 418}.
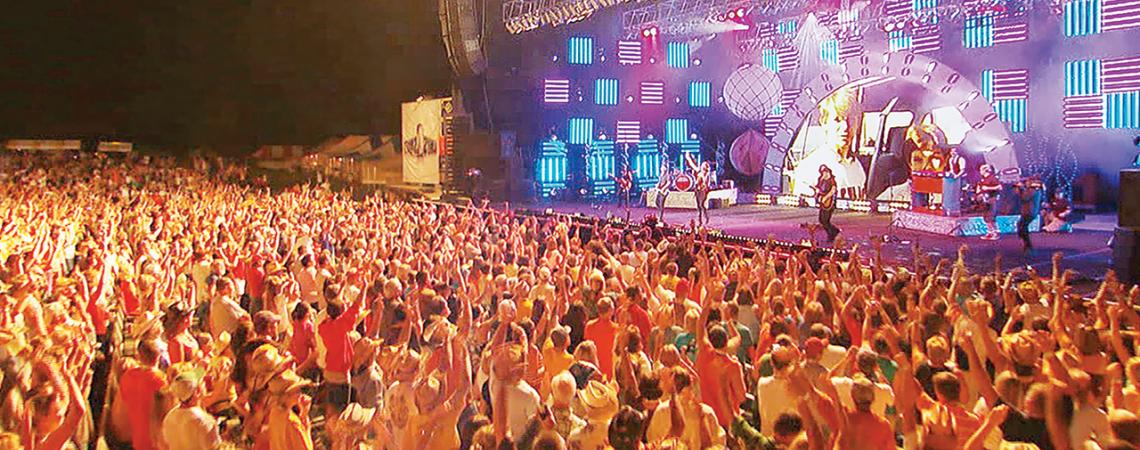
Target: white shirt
{"x": 774, "y": 399}
{"x": 660, "y": 423}
{"x": 225, "y": 314}
{"x": 522, "y": 402}
{"x": 190, "y": 429}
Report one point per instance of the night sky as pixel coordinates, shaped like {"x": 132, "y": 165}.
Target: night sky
{"x": 211, "y": 72}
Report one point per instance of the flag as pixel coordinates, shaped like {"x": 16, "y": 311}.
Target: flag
{"x": 1010, "y": 31}
{"x": 628, "y": 132}
{"x": 1119, "y": 14}
{"x": 1010, "y": 84}
{"x": 1120, "y": 74}
{"x": 629, "y": 52}
{"x": 1086, "y": 111}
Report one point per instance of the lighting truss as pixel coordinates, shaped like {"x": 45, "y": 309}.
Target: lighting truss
{"x": 673, "y": 17}
{"x": 525, "y": 15}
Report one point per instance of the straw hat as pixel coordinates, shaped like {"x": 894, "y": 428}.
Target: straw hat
{"x": 599, "y": 401}
{"x": 266, "y": 361}
{"x": 186, "y": 383}
{"x": 286, "y": 382}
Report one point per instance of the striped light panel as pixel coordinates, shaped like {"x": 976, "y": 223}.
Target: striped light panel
{"x": 926, "y": 39}
{"x": 789, "y": 58}
{"x": 1009, "y": 31}
{"x": 1081, "y": 17}
{"x": 1119, "y": 14}
{"x": 786, "y": 99}
{"x": 689, "y": 148}
{"x": 898, "y": 40}
{"x": 676, "y": 131}
{"x": 647, "y": 164}
{"x": 1010, "y": 84}
{"x": 1013, "y": 112}
{"x": 628, "y": 131}
{"x": 700, "y": 94}
{"x": 770, "y": 59}
{"x": 556, "y": 91}
{"x": 978, "y": 32}
{"x": 1122, "y": 110}
{"x": 829, "y": 51}
{"x": 850, "y": 50}
{"x": 786, "y": 26}
{"x": 894, "y": 9}
{"x": 1121, "y": 74}
{"x": 677, "y": 55}
{"x": 919, "y": 5}
{"x": 550, "y": 170}
{"x": 1086, "y": 111}
{"x": 601, "y": 167}
{"x": 652, "y": 92}
{"x": 629, "y": 52}
{"x": 581, "y": 50}
{"x": 581, "y": 130}
{"x": 606, "y": 91}
{"x": 1082, "y": 77}
{"x": 771, "y": 125}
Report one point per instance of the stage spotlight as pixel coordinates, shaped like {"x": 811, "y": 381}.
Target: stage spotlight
{"x": 740, "y": 13}
{"x": 697, "y": 62}
{"x": 554, "y": 137}
{"x": 732, "y": 15}
{"x": 645, "y": 32}
{"x": 652, "y": 60}
{"x": 693, "y": 136}
{"x": 653, "y": 31}
{"x": 554, "y": 58}
{"x": 602, "y": 137}
{"x": 629, "y": 99}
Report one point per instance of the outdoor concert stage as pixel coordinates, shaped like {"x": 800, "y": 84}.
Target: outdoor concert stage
{"x": 1085, "y": 249}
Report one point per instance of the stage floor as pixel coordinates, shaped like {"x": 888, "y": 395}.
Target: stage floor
{"x": 1086, "y": 250}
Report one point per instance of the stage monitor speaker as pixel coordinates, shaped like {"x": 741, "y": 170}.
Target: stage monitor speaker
{"x": 459, "y": 22}
{"x": 1129, "y": 198}
{"x": 1126, "y": 254}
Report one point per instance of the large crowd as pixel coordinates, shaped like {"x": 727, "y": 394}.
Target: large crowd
{"x": 151, "y": 305}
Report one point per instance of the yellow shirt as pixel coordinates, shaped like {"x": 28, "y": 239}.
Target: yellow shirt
{"x": 556, "y": 362}
{"x": 287, "y": 431}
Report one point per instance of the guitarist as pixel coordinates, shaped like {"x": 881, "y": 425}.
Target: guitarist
{"x": 825, "y": 190}
{"x": 624, "y": 185}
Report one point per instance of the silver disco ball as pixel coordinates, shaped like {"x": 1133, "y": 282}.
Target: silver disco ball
{"x": 752, "y": 91}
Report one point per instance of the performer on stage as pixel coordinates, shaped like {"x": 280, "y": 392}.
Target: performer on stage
{"x": 703, "y": 184}
{"x": 663, "y": 185}
{"x": 825, "y": 190}
{"x": 1027, "y": 192}
{"x": 987, "y": 190}
{"x": 624, "y": 186}
{"x": 952, "y": 183}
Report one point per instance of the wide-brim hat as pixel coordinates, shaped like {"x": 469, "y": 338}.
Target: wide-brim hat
{"x": 599, "y": 399}
{"x": 287, "y": 381}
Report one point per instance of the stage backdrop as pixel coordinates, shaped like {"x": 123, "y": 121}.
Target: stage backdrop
{"x": 423, "y": 123}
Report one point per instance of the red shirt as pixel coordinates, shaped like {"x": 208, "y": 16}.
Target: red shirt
{"x": 868, "y": 431}
{"x": 714, "y": 369}
{"x": 254, "y": 275}
{"x": 334, "y": 334}
{"x": 302, "y": 342}
{"x": 138, "y": 387}
{"x": 130, "y": 302}
{"x": 640, "y": 319}
{"x": 603, "y": 332}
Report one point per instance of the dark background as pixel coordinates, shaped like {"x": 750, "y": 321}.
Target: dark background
{"x": 216, "y": 72}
